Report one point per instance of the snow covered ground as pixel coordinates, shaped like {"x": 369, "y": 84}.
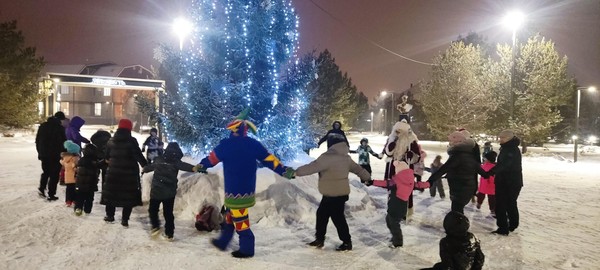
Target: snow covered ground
{"x": 559, "y": 221}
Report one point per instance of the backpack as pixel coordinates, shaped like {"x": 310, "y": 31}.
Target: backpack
{"x": 204, "y": 219}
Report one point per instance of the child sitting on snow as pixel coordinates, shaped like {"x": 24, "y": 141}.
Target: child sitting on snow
{"x": 164, "y": 187}
{"x": 69, "y": 161}
{"x": 460, "y": 249}
{"x": 400, "y": 188}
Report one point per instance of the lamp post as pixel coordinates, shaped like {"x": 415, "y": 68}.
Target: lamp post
{"x": 371, "y": 122}
{"x": 576, "y": 136}
{"x": 182, "y": 28}
{"x": 384, "y": 112}
{"x": 513, "y": 21}
{"x": 383, "y": 94}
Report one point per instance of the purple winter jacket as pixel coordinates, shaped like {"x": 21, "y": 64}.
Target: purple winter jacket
{"x": 72, "y": 131}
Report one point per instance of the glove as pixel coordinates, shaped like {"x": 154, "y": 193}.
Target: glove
{"x": 379, "y": 156}
{"x": 422, "y": 185}
{"x": 199, "y": 169}
{"x": 143, "y": 149}
{"x": 289, "y": 173}
{"x": 367, "y": 183}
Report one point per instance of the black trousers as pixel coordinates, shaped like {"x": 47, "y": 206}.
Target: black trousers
{"x": 70, "y": 193}
{"x": 332, "y": 207}
{"x": 507, "y": 211}
{"x": 367, "y": 167}
{"x": 110, "y": 212}
{"x": 85, "y": 200}
{"x": 167, "y": 214}
{"x": 395, "y": 212}
{"x": 50, "y": 170}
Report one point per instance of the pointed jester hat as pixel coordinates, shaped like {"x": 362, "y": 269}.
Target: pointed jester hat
{"x": 241, "y": 124}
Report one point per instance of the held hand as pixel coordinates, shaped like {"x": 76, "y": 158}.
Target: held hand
{"x": 199, "y": 169}
{"x": 289, "y": 173}
{"x": 143, "y": 149}
{"x": 367, "y": 183}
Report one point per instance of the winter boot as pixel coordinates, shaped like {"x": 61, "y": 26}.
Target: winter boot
{"x": 41, "y": 193}
{"x": 478, "y": 206}
{"x": 346, "y": 246}
{"x": 109, "y": 219}
{"x": 154, "y": 232}
{"x": 317, "y": 243}
{"x": 125, "y": 223}
{"x": 78, "y": 211}
{"x": 52, "y": 198}
{"x": 238, "y": 254}
{"x": 168, "y": 237}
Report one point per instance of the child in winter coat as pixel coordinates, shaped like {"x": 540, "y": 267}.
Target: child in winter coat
{"x": 155, "y": 146}
{"x": 88, "y": 169}
{"x": 164, "y": 187}
{"x": 487, "y": 185}
{"x": 69, "y": 161}
{"x": 333, "y": 167}
{"x": 100, "y": 139}
{"x": 460, "y": 249}
{"x": 400, "y": 187}
{"x": 336, "y": 129}
{"x": 487, "y": 147}
{"x": 363, "y": 152}
{"x": 435, "y": 166}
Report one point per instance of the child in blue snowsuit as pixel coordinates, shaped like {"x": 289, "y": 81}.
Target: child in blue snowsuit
{"x": 239, "y": 154}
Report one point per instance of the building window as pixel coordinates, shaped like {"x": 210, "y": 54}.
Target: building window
{"x": 64, "y": 107}
{"x": 41, "y": 107}
{"x": 107, "y": 92}
{"x": 98, "y": 109}
{"x": 63, "y": 90}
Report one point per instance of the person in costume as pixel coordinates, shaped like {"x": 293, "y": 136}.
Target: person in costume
{"x": 239, "y": 154}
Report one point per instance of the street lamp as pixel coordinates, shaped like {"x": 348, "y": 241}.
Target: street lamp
{"x": 384, "y": 112}
{"x": 371, "y": 122}
{"x": 383, "y": 94}
{"x": 576, "y": 136}
{"x": 182, "y": 28}
{"x": 513, "y": 21}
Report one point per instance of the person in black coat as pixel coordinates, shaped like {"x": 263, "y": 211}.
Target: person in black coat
{"x": 49, "y": 142}
{"x": 460, "y": 249}
{"x": 88, "y": 169}
{"x": 122, "y": 187}
{"x": 509, "y": 181}
{"x": 100, "y": 139}
{"x": 460, "y": 170}
{"x": 164, "y": 186}
{"x": 335, "y": 131}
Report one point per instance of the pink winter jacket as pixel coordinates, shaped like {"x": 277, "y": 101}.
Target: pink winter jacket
{"x": 403, "y": 180}
{"x": 486, "y": 185}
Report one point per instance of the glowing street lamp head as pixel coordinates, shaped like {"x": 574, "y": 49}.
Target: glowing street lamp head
{"x": 592, "y": 89}
{"x": 182, "y": 28}
{"x": 513, "y": 20}
{"x": 383, "y": 93}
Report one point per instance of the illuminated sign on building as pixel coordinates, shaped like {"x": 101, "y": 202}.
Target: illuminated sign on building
{"x": 108, "y": 82}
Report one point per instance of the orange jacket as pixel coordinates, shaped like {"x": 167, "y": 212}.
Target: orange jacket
{"x": 69, "y": 162}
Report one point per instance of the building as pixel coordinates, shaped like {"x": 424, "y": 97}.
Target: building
{"x": 101, "y": 93}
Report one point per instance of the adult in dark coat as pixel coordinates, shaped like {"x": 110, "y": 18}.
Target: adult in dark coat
{"x": 122, "y": 187}
{"x": 49, "y": 142}
{"x": 100, "y": 139}
{"x": 509, "y": 181}
{"x": 335, "y": 131}
{"x": 87, "y": 179}
{"x": 164, "y": 186}
{"x": 460, "y": 169}
{"x": 73, "y": 131}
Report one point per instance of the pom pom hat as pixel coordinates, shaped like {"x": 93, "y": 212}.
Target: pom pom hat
{"x": 71, "y": 147}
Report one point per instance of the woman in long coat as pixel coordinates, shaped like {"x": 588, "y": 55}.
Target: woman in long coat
{"x": 122, "y": 187}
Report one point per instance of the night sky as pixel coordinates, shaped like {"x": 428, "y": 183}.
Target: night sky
{"x": 126, "y": 32}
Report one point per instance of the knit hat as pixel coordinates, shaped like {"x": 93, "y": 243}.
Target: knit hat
{"x": 456, "y": 137}
{"x": 456, "y": 224}
{"x": 154, "y": 130}
{"x": 400, "y": 166}
{"x": 60, "y": 115}
{"x": 490, "y": 156}
{"x": 71, "y": 147}
{"x": 126, "y": 124}
{"x": 90, "y": 151}
{"x": 334, "y": 138}
{"x": 464, "y": 132}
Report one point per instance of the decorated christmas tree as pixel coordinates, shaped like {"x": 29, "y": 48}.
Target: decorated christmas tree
{"x": 241, "y": 54}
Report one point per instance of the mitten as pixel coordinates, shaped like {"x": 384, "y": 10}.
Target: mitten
{"x": 199, "y": 168}
{"x": 289, "y": 173}
{"x": 422, "y": 185}
{"x": 144, "y": 149}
